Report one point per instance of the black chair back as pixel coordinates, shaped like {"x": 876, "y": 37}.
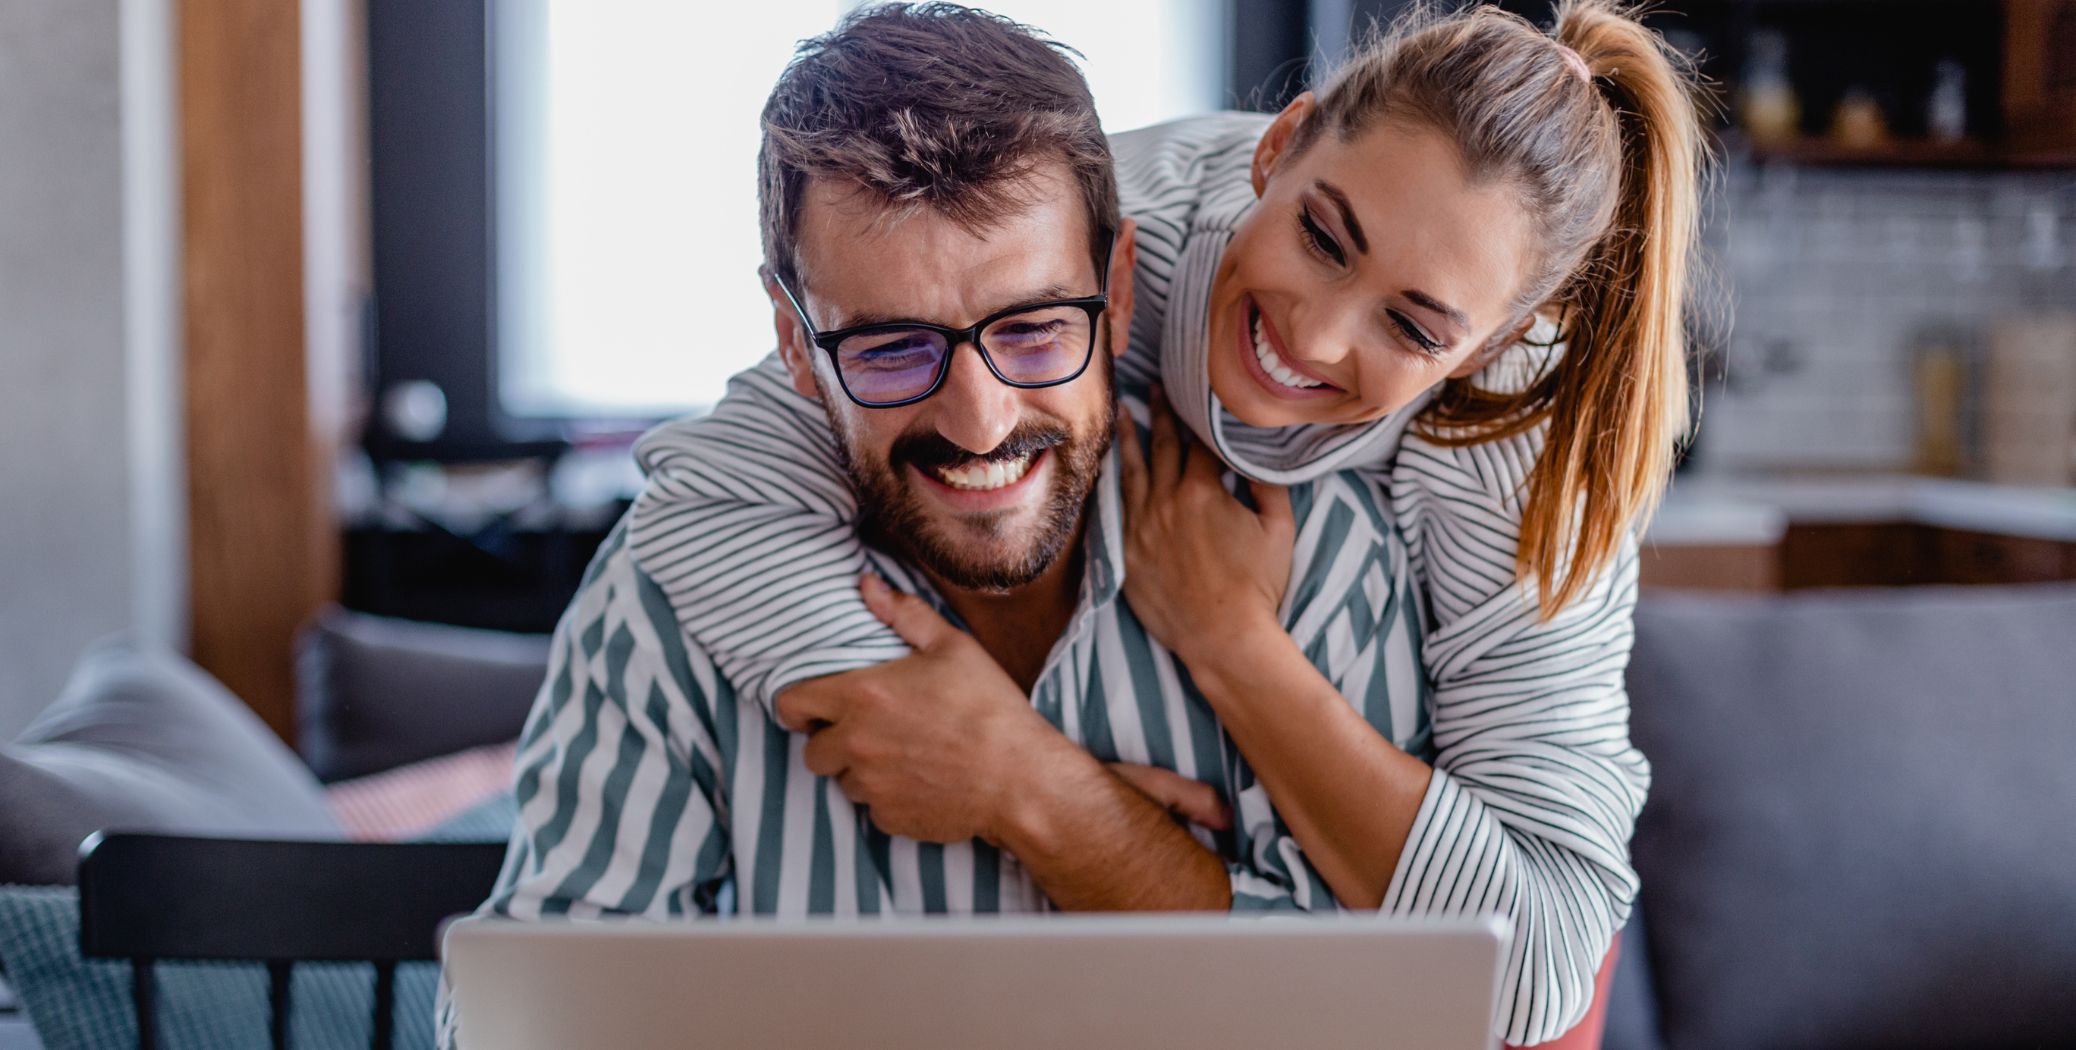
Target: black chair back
{"x": 149, "y": 897}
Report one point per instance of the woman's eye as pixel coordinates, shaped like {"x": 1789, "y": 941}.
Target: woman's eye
{"x": 1318, "y": 240}
{"x": 1427, "y": 344}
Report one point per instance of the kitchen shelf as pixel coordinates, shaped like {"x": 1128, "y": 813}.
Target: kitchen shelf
{"x": 1902, "y": 153}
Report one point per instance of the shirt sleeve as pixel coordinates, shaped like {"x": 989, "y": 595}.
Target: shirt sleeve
{"x": 752, "y": 492}
{"x": 621, "y": 809}
{"x": 1536, "y": 785}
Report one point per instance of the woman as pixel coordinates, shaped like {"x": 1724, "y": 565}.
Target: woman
{"x": 1347, "y": 286}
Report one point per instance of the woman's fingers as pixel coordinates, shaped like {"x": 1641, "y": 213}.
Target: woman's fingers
{"x": 1131, "y": 461}
{"x": 1194, "y": 801}
{"x": 1166, "y": 462}
{"x": 1272, "y": 506}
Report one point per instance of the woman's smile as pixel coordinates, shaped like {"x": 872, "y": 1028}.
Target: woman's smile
{"x": 1263, "y": 352}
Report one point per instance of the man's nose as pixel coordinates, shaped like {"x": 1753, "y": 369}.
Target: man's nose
{"x": 974, "y": 410}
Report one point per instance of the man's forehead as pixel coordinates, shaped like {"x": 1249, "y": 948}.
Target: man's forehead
{"x": 863, "y": 259}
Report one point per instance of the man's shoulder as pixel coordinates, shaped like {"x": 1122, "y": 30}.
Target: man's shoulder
{"x": 622, "y": 621}
{"x": 1339, "y": 508}
{"x": 1165, "y": 171}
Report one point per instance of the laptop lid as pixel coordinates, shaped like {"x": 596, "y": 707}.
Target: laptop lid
{"x": 1014, "y": 983}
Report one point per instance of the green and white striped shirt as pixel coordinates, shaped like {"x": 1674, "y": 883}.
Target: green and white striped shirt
{"x": 647, "y": 786}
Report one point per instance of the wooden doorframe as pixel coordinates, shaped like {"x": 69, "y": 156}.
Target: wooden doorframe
{"x": 262, "y": 542}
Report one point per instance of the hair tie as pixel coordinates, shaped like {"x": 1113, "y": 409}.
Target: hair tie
{"x": 1577, "y": 64}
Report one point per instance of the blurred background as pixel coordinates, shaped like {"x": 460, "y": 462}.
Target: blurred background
{"x": 362, "y": 302}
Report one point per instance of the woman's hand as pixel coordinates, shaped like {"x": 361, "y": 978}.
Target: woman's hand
{"x": 1201, "y": 569}
{"x": 1192, "y": 800}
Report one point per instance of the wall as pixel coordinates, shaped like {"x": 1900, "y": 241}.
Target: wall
{"x": 85, "y": 409}
{"x": 1837, "y": 273}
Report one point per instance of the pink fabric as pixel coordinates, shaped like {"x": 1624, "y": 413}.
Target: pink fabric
{"x": 1586, "y": 1035}
{"x": 411, "y": 800}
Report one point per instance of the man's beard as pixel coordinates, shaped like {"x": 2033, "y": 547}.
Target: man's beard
{"x": 892, "y": 515}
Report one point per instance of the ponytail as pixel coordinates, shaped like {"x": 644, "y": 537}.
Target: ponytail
{"x": 1618, "y": 403}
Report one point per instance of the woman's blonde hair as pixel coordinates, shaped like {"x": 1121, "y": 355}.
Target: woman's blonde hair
{"x": 1608, "y": 160}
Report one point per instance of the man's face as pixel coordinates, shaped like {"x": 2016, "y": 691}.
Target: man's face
{"x": 982, "y": 483}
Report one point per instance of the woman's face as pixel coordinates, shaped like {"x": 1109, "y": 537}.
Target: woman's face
{"x": 1368, "y": 271}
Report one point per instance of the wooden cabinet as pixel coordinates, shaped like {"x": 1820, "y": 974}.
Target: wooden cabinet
{"x": 1980, "y": 557}
{"x": 1857, "y": 555}
{"x": 1887, "y": 554}
{"x": 1902, "y": 555}
{"x": 1726, "y": 567}
{"x": 2040, "y": 80}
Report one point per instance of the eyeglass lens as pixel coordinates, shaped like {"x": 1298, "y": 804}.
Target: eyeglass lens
{"x": 1034, "y": 347}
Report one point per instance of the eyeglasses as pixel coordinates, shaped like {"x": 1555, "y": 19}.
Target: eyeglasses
{"x": 902, "y": 362}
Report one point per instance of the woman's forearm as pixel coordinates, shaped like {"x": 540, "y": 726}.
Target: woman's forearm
{"x": 1348, "y": 794}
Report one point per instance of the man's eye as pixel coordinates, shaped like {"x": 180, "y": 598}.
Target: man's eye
{"x": 1318, "y": 240}
{"x": 1030, "y": 329}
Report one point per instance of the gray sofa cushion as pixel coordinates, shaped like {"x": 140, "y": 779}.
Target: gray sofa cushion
{"x": 142, "y": 740}
{"x": 1862, "y": 823}
{"x": 374, "y": 693}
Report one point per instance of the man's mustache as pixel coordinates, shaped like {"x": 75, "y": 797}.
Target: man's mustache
{"x": 930, "y": 449}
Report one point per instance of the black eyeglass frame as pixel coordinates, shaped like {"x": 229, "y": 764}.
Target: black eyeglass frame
{"x": 956, "y": 337}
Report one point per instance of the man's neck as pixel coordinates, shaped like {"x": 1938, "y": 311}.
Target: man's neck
{"x": 1019, "y": 627}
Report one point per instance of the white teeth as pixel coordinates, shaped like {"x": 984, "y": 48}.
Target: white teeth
{"x": 993, "y": 474}
{"x": 1273, "y": 364}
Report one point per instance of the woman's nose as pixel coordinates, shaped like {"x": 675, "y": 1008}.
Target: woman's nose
{"x": 1325, "y": 338}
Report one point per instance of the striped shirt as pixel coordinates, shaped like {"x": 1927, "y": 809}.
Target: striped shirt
{"x": 649, "y": 785}
{"x": 740, "y": 559}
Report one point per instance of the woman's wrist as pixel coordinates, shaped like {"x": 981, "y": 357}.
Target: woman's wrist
{"x": 1232, "y": 662}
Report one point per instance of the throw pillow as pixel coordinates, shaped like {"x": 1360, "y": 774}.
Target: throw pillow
{"x": 142, "y": 740}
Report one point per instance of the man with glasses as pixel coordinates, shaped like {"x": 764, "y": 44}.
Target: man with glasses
{"x": 951, "y": 283}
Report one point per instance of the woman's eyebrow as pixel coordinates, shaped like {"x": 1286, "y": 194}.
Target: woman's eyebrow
{"x": 1421, "y": 298}
{"x": 1334, "y": 194}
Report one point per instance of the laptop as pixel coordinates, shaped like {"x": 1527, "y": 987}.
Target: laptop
{"x": 1008, "y": 983}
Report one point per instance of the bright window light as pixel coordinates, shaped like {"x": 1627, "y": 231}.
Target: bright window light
{"x": 626, "y": 143}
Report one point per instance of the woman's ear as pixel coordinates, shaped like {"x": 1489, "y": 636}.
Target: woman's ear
{"x": 1124, "y": 261}
{"x": 1507, "y": 339}
{"x": 794, "y": 348}
{"x": 1275, "y": 142}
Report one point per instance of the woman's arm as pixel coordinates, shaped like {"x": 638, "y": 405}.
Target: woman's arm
{"x": 1206, "y": 576}
{"x": 1534, "y": 792}
{"x": 1537, "y": 785}
{"x": 749, "y": 493}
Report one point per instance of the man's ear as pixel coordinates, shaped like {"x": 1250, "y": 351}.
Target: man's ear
{"x": 1275, "y": 142}
{"x": 1124, "y": 261}
{"x": 794, "y": 348}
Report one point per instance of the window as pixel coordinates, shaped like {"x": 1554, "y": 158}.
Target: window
{"x": 625, "y": 151}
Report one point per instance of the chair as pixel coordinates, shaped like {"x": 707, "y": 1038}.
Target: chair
{"x": 149, "y": 897}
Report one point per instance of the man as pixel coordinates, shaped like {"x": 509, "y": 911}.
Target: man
{"x": 974, "y": 774}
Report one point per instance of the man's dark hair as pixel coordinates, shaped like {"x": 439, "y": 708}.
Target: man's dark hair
{"x": 929, "y": 105}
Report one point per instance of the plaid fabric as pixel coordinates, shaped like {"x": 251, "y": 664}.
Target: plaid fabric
{"x": 80, "y": 1004}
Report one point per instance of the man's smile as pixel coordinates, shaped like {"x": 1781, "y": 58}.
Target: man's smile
{"x": 987, "y": 484}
